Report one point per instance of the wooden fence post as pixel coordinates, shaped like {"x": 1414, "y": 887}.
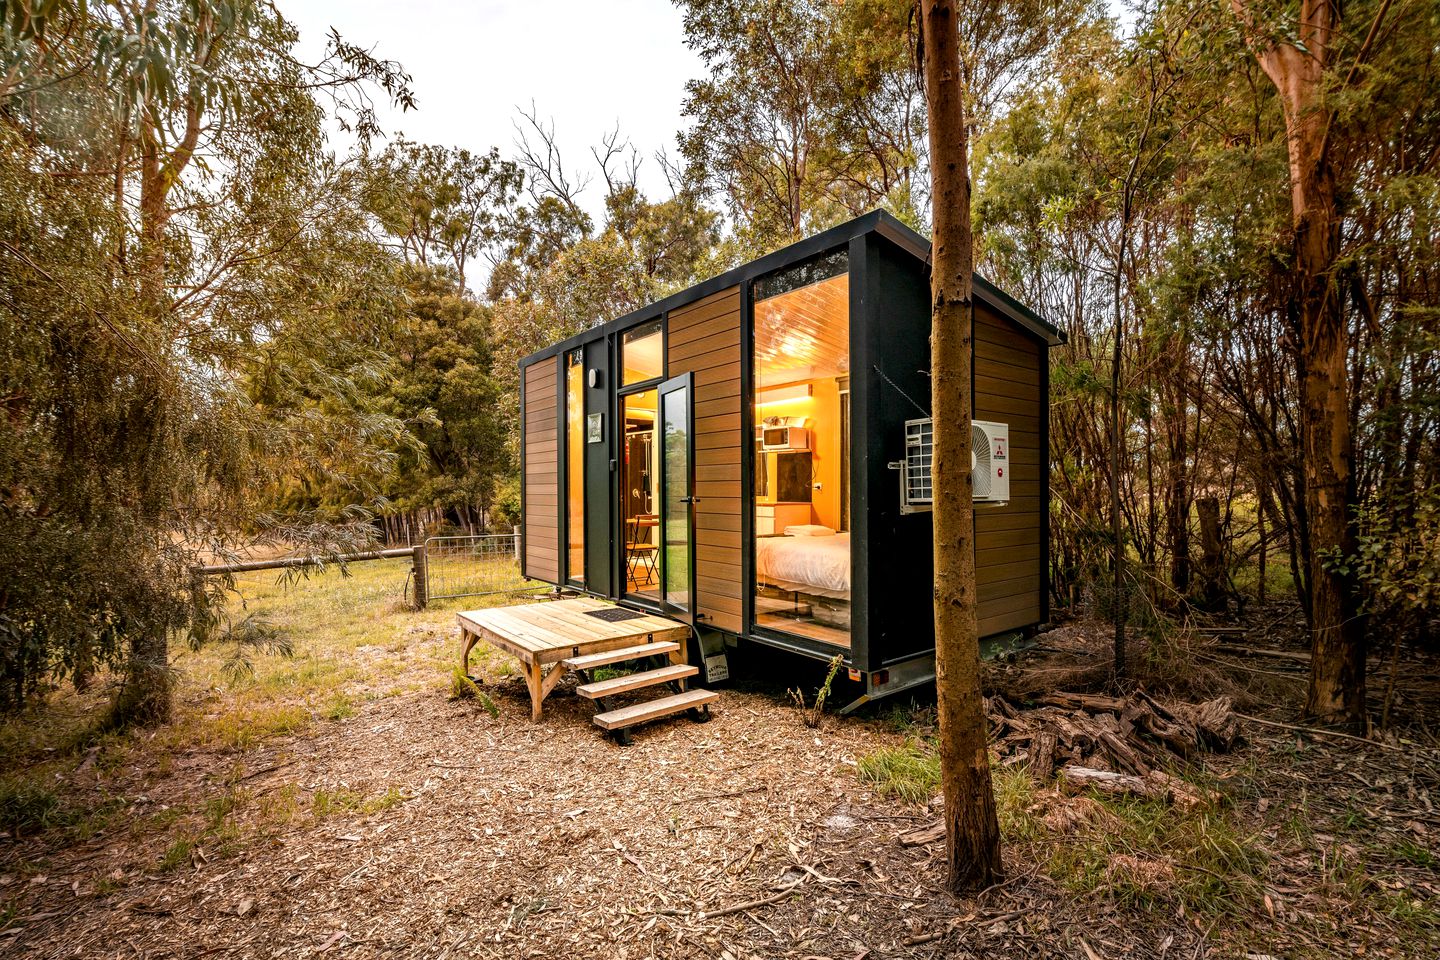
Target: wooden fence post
{"x": 418, "y": 567}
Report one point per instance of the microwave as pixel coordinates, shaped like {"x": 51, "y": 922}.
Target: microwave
{"x": 784, "y": 438}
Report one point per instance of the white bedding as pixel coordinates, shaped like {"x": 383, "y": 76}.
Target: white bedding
{"x": 806, "y": 564}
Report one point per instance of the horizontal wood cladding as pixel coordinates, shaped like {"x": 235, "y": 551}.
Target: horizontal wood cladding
{"x": 704, "y": 339}
{"x": 540, "y": 523}
{"x": 1009, "y": 542}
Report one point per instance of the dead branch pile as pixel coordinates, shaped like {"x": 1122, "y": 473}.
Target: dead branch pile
{"x": 1112, "y": 744}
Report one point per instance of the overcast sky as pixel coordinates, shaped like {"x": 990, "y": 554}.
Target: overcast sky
{"x": 587, "y": 65}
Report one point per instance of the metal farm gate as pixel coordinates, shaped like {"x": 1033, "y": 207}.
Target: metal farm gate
{"x": 470, "y": 566}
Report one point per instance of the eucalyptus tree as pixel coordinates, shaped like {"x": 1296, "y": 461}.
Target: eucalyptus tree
{"x": 440, "y": 205}
{"x": 811, "y": 112}
{"x": 174, "y": 226}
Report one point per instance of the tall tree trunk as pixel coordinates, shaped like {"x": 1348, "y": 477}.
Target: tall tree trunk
{"x": 1178, "y": 508}
{"x": 146, "y": 696}
{"x": 1119, "y": 604}
{"x": 1264, "y": 546}
{"x": 972, "y": 844}
{"x": 1297, "y": 68}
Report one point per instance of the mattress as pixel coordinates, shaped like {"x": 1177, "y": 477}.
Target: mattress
{"x": 818, "y": 565}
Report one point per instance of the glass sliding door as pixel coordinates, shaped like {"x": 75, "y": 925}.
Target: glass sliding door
{"x": 677, "y": 501}
{"x": 575, "y": 467}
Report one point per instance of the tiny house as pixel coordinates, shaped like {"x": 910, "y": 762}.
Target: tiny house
{"x": 751, "y": 456}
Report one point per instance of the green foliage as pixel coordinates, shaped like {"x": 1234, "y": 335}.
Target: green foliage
{"x": 911, "y": 772}
{"x": 811, "y": 112}
{"x": 26, "y": 806}
{"x": 443, "y": 207}
{"x": 1397, "y": 556}
{"x": 163, "y": 363}
{"x": 252, "y": 635}
{"x": 461, "y": 686}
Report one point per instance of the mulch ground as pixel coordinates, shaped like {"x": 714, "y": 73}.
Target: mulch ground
{"x": 748, "y": 836}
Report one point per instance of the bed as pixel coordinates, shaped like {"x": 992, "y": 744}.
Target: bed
{"x": 817, "y": 566}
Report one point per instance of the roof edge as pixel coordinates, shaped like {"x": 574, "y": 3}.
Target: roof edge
{"x": 894, "y": 230}
{"x": 878, "y": 221}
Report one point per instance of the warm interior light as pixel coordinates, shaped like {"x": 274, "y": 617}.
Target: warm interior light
{"x": 784, "y": 394}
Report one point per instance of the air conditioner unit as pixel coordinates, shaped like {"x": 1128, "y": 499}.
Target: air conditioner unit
{"x": 989, "y": 464}
{"x": 990, "y": 461}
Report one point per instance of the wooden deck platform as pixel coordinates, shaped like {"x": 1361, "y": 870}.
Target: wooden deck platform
{"x": 541, "y": 635}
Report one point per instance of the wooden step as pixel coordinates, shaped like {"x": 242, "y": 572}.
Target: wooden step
{"x": 634, "y": 681}
{"x": 593, "y": 660}
{"x": 654, "y": 709}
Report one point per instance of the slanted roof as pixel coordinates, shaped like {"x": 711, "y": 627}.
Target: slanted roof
{"x": 902, "y": 236}
{"x": 876, "y": 221}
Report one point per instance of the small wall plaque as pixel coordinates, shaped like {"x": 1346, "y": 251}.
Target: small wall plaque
{"x": 595, "y": 428}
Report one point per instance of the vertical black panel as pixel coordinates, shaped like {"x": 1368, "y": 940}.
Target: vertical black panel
{"x": 599, "y": 547}
{"x": 863, "y": 486}
{"x": 893, "y": 386}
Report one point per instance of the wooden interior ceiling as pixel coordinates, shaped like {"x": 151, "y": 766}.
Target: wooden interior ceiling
{"x": 804, "y": 334}
{"x": 641, "y": 356}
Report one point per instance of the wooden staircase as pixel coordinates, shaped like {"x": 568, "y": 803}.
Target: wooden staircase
{"x": 618, "y": 721}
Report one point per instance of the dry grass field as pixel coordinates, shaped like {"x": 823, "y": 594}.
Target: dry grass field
{"x": 343, "y": 801}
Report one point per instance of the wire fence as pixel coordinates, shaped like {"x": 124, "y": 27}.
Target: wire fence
{"x": 473, "y": 566}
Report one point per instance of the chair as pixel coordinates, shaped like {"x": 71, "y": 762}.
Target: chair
{"x": 640, "y": 553}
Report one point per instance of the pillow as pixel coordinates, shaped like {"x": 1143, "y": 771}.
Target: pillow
{"x": 809, "y": 530}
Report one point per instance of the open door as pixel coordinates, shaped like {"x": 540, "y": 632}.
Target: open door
{"x": 677, "y": 499}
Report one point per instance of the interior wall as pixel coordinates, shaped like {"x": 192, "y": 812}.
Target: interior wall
{"x": 821, "y": 411}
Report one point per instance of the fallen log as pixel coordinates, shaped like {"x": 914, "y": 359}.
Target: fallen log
{"x": 1239, "y": 651}
{"x": 923, "y": 835}
{"x": 1155, "y": 785}
{"x": 1042, "y": 754}
{"x": 1215, "y": 720}
{"x": 1127, "y": 735}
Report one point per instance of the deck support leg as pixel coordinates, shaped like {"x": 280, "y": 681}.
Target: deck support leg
{"x": 533, "y": 681}
{"x": 470, "y": 640}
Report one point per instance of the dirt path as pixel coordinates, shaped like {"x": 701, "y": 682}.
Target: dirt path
{"x": 495, "y": 837}
{"x": 399, "y": 822}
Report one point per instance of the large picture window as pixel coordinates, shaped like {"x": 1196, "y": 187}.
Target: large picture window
{"x": 801, "y": 494}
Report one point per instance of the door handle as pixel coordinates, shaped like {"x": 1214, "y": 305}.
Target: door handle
{"x": 689, "y": 499}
